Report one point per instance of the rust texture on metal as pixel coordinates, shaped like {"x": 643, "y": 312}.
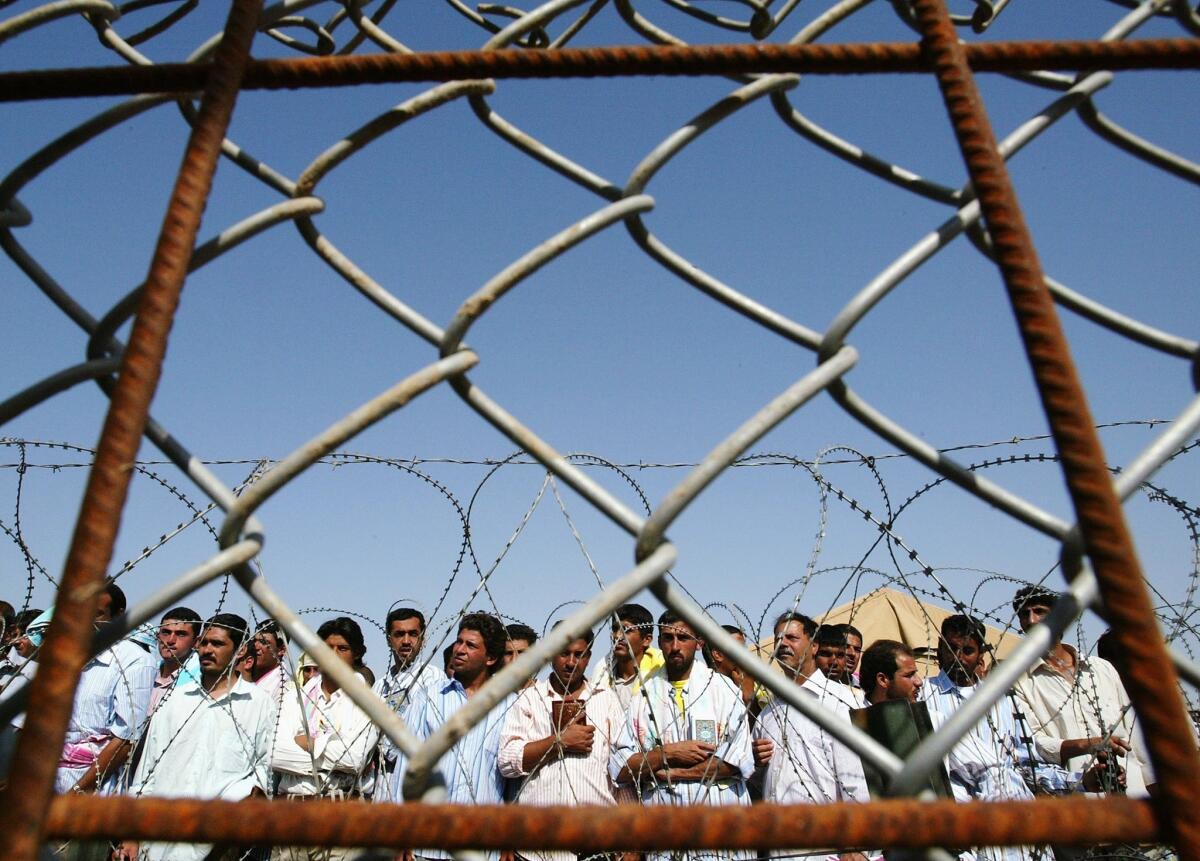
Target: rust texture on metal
{"x": 605, "y": 61}
{"x": 1063, "y": 821}
{"x": 27, "y": 797}
{"x": 1150, "y": 676}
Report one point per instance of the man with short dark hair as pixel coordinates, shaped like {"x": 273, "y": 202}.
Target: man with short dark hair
{"x": 520, "y": 638}
{"x": 268, "y": 649}
{"x": 633, "y": 660}
{"x": 325, "y": 740}
{"x": 854, "y": 648}
{"x": 984, "y": 765}
{"x": 808, "y": 765}
{"x": 889, "y": 672}
{"x": 210, "y": 740}
{"x": 470, "y": 768}
{"x": 401, "y": 684}
{"x": 178, "y": 633}
{"x": 830, "y": 647}
{"x": 687, "y": 737}
{"x": 557, "y": 739}
{"x": 1078, "y": 710}
{"x": 111, "y": 703}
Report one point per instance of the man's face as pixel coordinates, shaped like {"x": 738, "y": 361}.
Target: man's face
{"x": 404, "y": 639}
{"x": 341, "y": 648}
{"x": 626, "y": 636}
{"x": 853, "y": 653}
{"x": 831, "y": 660}
{"x": 570, "y": 665}
{"x": 265, "y": 649}
{"x": 24, "y": 646}
{"x": 905, "y": 684}
{"x": 959, "y": 658}
{"x": 679, "y": 644}
{"x": 513, "y": 649}
{"x": 721, "y": 663}
{"x": 792, "y": 646}
{"x": 1031, "y": 613}
{"x": 104, "y": 613}
{"x": 470, "y": 657}
{"x": 175, "y": 640}
{"x": 215, "y": 650}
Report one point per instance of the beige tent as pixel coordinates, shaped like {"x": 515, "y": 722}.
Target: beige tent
{"x": 887, "y": 614}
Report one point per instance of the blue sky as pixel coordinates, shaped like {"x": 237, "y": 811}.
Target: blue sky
{"x": 603, "y": 351}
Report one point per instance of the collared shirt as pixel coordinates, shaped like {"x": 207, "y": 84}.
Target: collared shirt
{"x": 569, "y": 779}
{"x": 1095, "y": 705}
{"x": 984, "y": 764}
{"x": 342, "y": 738}
{"x": 470, "y": 767}
{"x": 111, "y": 701}
{"x": 186, "y": 674}
{"x": 652, "y": 664}
{"x": 200, "y": 747}
{"x": 711, "y": 703}
{"x": 399, "y": 688}
{"x": 810, "y": 766}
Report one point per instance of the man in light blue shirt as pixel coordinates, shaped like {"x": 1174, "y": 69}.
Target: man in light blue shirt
{"x": 470, "y": 768}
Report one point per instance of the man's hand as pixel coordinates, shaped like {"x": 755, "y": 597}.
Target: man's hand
{"x": 304, "y": 742}
{"x": 763, "y": 748}
{"x": 683, "y": 754}
{"x": 576, "y": 739}
{"x": 126, "y": 850}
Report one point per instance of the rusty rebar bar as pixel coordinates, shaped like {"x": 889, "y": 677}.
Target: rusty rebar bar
{"x": 27, "y": 798}
{"x": 1151, "y": 678}
{"x": 606, "y": 61}
{"x": 892, "y": 823}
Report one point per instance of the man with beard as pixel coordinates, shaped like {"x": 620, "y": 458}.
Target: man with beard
{"x": 558, "y": 737}
{"x": 808, "y": 766}
{"x": 206, "y": 740}
{"x": 889, "y": 672}
{"x": 687, "y": 739}
{"x": 401, "y": 684}
{"x": 984, "y": 764}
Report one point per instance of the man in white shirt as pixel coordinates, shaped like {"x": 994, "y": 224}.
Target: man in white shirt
{"x": 1079, "y": 712}
{"x": 984, "y": 765}
{"x": 400, "y": 685}
{"x": 558, "y": 737}
{"x": 808, "y": 765}
{"x": 324, "y": 739}
{"x": 207, "y": 740}
{"x": 687, "y": 738}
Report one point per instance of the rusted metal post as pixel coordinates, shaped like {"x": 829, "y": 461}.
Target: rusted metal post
{"x": 1152, "y": 682}
{"x": 892, "y": 823}
{"x": 25, "y": 803}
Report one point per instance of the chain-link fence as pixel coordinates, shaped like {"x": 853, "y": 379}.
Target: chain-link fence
{"x": 1098, "y": 560}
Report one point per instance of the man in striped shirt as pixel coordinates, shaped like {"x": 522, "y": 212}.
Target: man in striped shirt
{"x": 558, "y": 738}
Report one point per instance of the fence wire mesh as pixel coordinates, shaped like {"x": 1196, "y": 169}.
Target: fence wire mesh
{"x": 1097, "y": 557}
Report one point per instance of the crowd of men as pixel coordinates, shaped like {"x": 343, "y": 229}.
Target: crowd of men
{"x": 216, "y": 708}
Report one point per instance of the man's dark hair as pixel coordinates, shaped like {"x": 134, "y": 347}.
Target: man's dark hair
{"x": 587, "y": 636}
{"x": 880, "y": 657}
{"x": 517, "y": 631}
{"x": 1108, "y": 648}
{"x": 1034, "y": 594}
{"x": 22, "y": 620}
{"x": 492, "y": 631}
{"x": 7, "y": 613}
{"x": 960, "y": 625}
{"x": 238, "y": 630}
{"x": 118, "y": 597}
{"x": 634, "y": 614}
{"x": 707, "y": 650}
{"x": 830, "y": 635}
{"x": 852, "y": 631}
{"x": 810, "y": 627}
{"x": 186, "y": 615}
{"x": 670, "y": 617}
{"x": 270, "y": 626}
{"x": 348, "y": 630}
{"x": 403, "y": 614}
{"x": 447, "y": 654}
